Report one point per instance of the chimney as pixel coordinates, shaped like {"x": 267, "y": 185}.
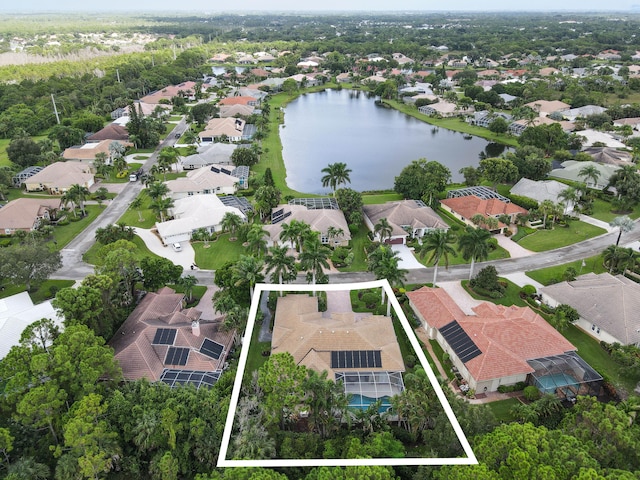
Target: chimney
{"x": 195, "y": 328}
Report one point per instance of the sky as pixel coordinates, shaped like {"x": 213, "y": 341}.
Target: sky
{"x": 213, "y": 6}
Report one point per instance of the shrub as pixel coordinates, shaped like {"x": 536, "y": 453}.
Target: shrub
{"x": 370, "y": 299}
{"x": 487, "y": 279}
{"x": 508, "y": 233}
{"x": 410, "y": 361}
{"x": 531, "y": 393}
{"x": 512, "y": 388}
{"x": 528, "y": 290}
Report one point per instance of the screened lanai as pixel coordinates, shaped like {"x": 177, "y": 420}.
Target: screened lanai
{"x": 365, "y": 388}
{"x": 566, "y": 375}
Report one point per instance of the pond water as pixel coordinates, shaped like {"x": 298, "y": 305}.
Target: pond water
{"x": 375, "y": 142}
{"x": 221, "y": 70}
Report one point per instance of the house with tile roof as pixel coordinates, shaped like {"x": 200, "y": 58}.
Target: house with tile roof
{"x": 235, "y": 129}
{"x": 192, "y": 213}
{"x": 407, "y": 218}
{"x": 546, "y": 107}
{"x": 541, "y": 190}
{"x": 361, "y": 350}
{"x": 239, "y": 100}
{"x": 608, "y": 305}
{"x": 319, "y": 219}
{"x": 58, "y": 177}
{"x": 162, "y": 341}
{"x": 215, "y": 179}
{"x": 169, "y": 92}
{"x": 113, "y": 131}
{"x": 236, "y": 110}
{"x": 87, "y": 152}
{"x": 211, "y": 154}
{"x": 570, "y": 170}
{"x": 500, "y": 345}
{"x": 26, "y": 214}
{"x": 467, "y": 206}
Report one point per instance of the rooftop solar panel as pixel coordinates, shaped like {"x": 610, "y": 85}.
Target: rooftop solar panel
{"x": 356, "y": 359}
{"x": 164, "y": 336}
{"x": 211, "y": 349}
{"x": 215, "y": 170}
{"x": 177, "y": 356}
{"x": 175, "y": 378}
{"x": 460, "y": 342}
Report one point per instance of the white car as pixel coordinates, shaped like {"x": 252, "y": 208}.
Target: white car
{"x": 176, "y": 247}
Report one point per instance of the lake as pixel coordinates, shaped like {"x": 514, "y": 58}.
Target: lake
{"x": 375, "y": 142}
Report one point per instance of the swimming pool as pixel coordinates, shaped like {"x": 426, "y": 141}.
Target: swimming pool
{"x": 549, "y": 383}
{"x": 362, "y": 402}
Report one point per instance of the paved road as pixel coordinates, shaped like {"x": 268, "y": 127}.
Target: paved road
{"x": 72, "y": 265}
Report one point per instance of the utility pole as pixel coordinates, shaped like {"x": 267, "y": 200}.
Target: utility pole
{"x": 55, "y": 109}
{"x": 118, "y": 74}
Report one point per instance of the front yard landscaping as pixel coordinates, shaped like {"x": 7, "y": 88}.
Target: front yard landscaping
{"x": 550, "y": 275}
{"x": 218, "y": 252}
{"x": 560, "y": 236}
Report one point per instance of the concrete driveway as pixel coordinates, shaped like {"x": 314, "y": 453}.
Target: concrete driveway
{"x": 515, "y": 250}
{"x": 186, "y": 257}
{"x": 407, "y": 258}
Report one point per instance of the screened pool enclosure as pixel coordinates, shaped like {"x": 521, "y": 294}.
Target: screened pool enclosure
{"x": 565, "y": 375}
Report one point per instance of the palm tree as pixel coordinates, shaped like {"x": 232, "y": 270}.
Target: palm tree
{"x": 79, "y": 193}
{"x": 230, "y": 223}
{"x": 336, "y": 174}
{"x": 569, "y": 197}
{"x": 334, "y": 232}
{"x": 187, "y": 283}
{"x": 314, "y": 257}
{"x": 589, "y": 172}
{"x": 438, "y": 243}
{"x": 248, "y": 269}
{"x": 384, "y": 263}
{"x": 256, "y": 239}
{"x": 120, "y": 164}
{"x": 166, "y": 158}
{"x": 68, "y": 199}
{"x": 624, "y": 224}
{"x": 157, "y": 190}
{"x": 160, "y": 207}
{"x": 474, "y": 245}
{"x": 136, "y": 204}
{"x": 547, "y": 208}
{"x": 281, "y": 266}
{"x": 611, "y": 257}
{"x": 383, "y": 229}
{"x": 296, "y": 232}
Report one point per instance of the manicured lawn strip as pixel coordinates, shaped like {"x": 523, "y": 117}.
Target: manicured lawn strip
{"x": 38, "y": 294}
{"x": 91, "y": 255}
{"x": 197, "y": 292}
{"x": 502, "y": 409}
{"x": 591, "y": 351}
{"x": 559, "y": 236}
{"x": 522, "y": 232}
{"x": 125, "y": 177}
{"x": 130, "y": 216}
{"x": 219, "y": 252}
{"x": 550, "y": 275}
{"x": 4, "y": 158}
{"x": 377, "y": 198}
{"x": 65, "y": 233}
{"x": 255, "y": 359}
{"x": 358, "y": 243}
{"x": 437, "y": 349}
{"x": 602, "y": 211}
{"x": 511, "y": 296}
{"x": 455, "y": 124}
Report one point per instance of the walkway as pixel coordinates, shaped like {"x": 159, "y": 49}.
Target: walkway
{"x": 206, "y": 304}
{"x": 265, "y": 328}
{"x": 514, "y": 249}
{"x": 596, "y": 222}
{"x": 465, "y": 301}
{"x": 521, "y": 279}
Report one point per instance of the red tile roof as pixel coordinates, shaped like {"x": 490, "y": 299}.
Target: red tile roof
{"x": 471, "y": 205}
{"x": 133, "y": 342}
{"x": 506, "y": 336}
{"x": 241, "y": 100}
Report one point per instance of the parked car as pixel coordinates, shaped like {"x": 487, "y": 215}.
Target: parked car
{"x": 176, "y": 247}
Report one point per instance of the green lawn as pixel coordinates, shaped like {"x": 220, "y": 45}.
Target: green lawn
{"x": 602, "y": 211}
{"x": 197, "y": 292}
{"x": 64, "y": 234}
{"x": 437, "y": 350}
{"x": 502, "y": 408}
{"x": 4, "y": 158}
{"x": 543, "y": 240}
{"x": 550, "y": 275}
{"x": 45, "y": 291}
{"x": 511, "y": 297}
{"x": 358, "y": 243}
{"x": 91, "y": 255}
{"x": 219, "y": 252}
{"x": 591, "y": 351}
{"x": 377, "y": 198}
{"x": 255, "y": 359}
{"x": 457, "y": 259}
{"x": 125, "y": 178}
{"x": 132, "y": 218}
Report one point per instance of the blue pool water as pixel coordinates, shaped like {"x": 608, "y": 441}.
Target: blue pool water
{"x": 362, "y": 402}
{"x": 549, "y": 383}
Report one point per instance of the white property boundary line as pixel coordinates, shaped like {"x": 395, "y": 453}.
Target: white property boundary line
{"x": 339, "y": 462}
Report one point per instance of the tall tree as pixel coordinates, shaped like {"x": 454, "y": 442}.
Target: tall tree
{"x": 282, "y": 381}
{"x": 589, "y": 172}
{"x": 230, "y": 223}
{"x": 314, "y": 258}
{"x": 422, "y": 180}
{"x": 498, "y": 170}
{"x": 29, "y": 263}
{"x": 438, "y": 244}
{"x": 474, "y": 245}
{"x": 248, "y": 271}
{"x": 281, "y": 265}
{"x": 335, "y": 174}
{"x": 624, "y": 224}
{"x": 79, "y": 193}
{"x": 383, "y": 229}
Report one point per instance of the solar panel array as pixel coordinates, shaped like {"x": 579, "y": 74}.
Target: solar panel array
{"x": 240, "y": 203}
{"x": 225, "y": 171}
{"x": 215, "y": 170}
{"x": 328, "y": 203}
{"x": 175, "y": 378}
{"x": 461, "y": 343}
{"x": 211, "y": 349}
{"x": 177, "y": 356}
{"x": 356, "y": 359}
{"x": 164, "y": 336}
